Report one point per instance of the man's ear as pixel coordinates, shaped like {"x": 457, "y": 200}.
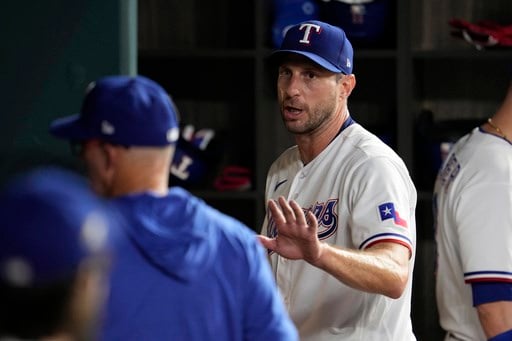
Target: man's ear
{"x": 111, "y": 156}
{"x": 348, "y": 82}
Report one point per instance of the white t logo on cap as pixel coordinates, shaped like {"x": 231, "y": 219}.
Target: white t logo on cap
{"x": 307, "y": 32}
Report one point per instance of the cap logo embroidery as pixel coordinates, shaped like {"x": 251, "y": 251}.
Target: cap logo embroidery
{"x": 173, "y": 134}
{"x": 17, "y": 271}
{"x": 107, "y": 128}
{"x": 307, "y": 31}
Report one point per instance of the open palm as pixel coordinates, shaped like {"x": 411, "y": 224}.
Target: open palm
{"x": 296, "y": 232}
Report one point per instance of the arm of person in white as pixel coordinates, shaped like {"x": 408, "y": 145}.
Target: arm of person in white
{"x": 495, "y": 317}
{"x": 382, "y": 268}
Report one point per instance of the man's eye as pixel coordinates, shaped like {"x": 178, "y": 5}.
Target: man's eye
{"x": 310, "y": 75}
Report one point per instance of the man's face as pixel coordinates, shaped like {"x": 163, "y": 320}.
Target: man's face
{"x": 308, "y": 94}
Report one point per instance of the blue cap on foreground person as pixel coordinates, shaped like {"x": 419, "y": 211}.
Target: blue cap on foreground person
{"x": 183, "y": 270}
{"x": 54, "y": 257}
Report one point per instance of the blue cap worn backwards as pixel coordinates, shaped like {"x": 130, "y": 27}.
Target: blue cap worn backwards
{"x": 49, "y": 223}
{"x": 324, "y": 44}
{"x": 131, "y": 111}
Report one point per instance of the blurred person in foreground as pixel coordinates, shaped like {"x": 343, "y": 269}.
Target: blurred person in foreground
{"x": 183, "y": 270}
{"x": 54, "y": 257}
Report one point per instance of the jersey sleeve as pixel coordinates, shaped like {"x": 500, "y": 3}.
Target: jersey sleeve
{"x": 484, "y": 223}
{"x": 486, "y": 292}
{"x": 382, "y": 203}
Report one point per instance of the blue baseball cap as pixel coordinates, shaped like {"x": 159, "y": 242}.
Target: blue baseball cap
{"x": 131, "y": 111}
{"x": 324, "y": 44}
{"x": 50, "y": 222}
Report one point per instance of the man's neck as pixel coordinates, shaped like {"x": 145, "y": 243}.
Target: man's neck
{"x": 310, "y": 146}
{"x": 502, "y": 119}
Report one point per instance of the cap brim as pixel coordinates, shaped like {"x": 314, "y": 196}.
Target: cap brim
{"x": 318, "y": 60}
{"x": 71, "y": 128}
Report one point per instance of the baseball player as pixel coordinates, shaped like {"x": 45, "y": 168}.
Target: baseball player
{"x": 472, "y": 206}
{"x": 340, "y": 227}
{"x": 183, "y": 270}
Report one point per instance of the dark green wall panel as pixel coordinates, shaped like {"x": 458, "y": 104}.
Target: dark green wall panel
{"x": 50, "y": 50}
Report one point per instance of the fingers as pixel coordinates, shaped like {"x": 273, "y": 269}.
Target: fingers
{"x": 276, "y": 212}
{"x": 311, "y": 220}
{"x": 269, "y": 243}
{"x": 288, "y": 212}
{"x": 281, "y": 211}
{"x": 298, "y": 213}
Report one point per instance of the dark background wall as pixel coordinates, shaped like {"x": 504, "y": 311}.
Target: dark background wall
{"x": 50, "y": 51}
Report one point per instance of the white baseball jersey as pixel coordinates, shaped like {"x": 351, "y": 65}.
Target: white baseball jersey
{"x": 361, "y": 193}
{"x": 473, "y": 205}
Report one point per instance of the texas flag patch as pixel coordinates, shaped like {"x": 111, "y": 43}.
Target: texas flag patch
{"x": 387, "y": 211}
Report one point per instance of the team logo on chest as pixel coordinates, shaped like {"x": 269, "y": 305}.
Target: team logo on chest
{"x": 325, "y": 213}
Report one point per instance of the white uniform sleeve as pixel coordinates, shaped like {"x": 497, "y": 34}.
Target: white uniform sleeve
{"x": 484, "y": 222}
{"x": 382, "y": 203}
